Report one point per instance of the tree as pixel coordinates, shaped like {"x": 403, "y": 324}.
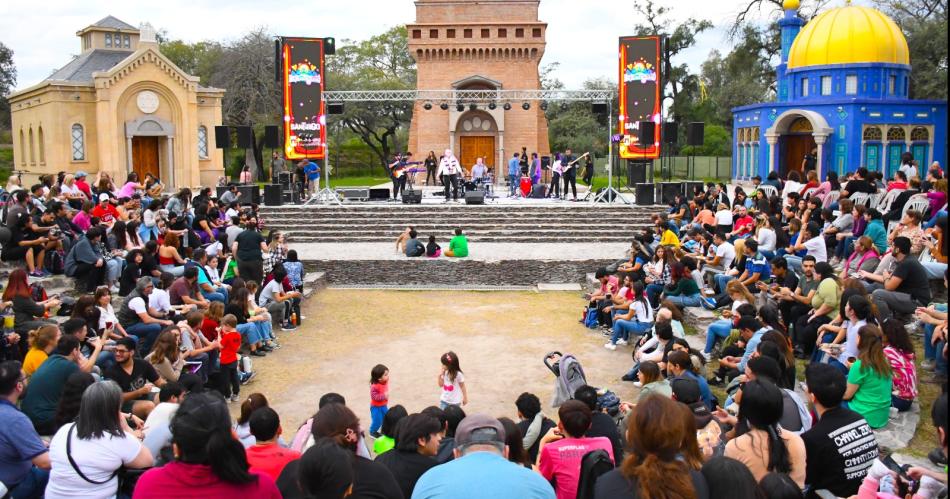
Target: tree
{"x": 199, "y": 59}
{"x": 573, "y": 125}
{"x": 382, "y": 62}
{"x": 683, "y": 36}
{"x": 924, "y": 23}
{"x": 717, "y": 141}
{"x": 807, "y": 10}
{"x": 742, "y": 77}
{"x": 7, "y": 82}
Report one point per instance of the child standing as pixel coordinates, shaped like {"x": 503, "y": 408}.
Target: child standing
{"x": 230, "y": 343}
{"x": 452, "y": 382}
{"x": 379, "y": 397}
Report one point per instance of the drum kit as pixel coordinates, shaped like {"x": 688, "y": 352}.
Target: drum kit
{"x": 479, "y": 184}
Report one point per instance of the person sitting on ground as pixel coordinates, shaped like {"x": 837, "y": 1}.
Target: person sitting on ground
{"x": 24, "y": 458}
{"x": 601, "y": 424}
{"x": 166, "y": 356}
{"x": 325, "y": 471}
{"x": 750, "y": 331}
{"x": 184, "y": 290}
{"x": 267, "y": 456}
{"x": 835, "y": 464}
{"x": 280, "y": 304}
{"x": 417, "y": 443}
{"x": 481, "y": 452}
{"x": 709, "y": 432}
{"x": 85, "y": 263}
{"x": 414, "y": 246}
{"x": 652, "y": 381}
{"x": 458, "y": 245}
{"x": 387, "y": 438}
{"x": 87, "y": 454}
{"x": 136, "y": 377}
{"x": 870, "y": 379}
{"x": 169, "y": 398}
{"x": 453, "y": 416}
{"x": 42, "y": 343}
{"x": 208, "y": 461}
{"x": 433, "y": 250}
{"x": 865, "y": 257}
{"x": 903, "y": 290}
{"x": 532, "y": 423}
{"x": 637, "y": 321}
{"x": 562, "y": 449}
{"x": 138, "y": 319}
{"x": 824, "y": 308}
{"x": 402, "y": 238}
{"x": 653, "y": 469}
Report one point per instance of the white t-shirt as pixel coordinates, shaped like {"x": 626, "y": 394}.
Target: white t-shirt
{"x": 148, "y": 218}
{"x": 213, "y": 249}
{"x": 137, "y": 305}
{"x": 766, "y": 239}
{"x": 851, "y": 341}
{"x": 69, "y": 191}
{"x": 269, "y": 293}
{"x": 159, "y": 300}
{"x": 909, "y": 170}
{"x": 452, "y": 389}
{"x": 642, "y": 312}
{"x": 816, "y": 248}
{"x": 231, "y": 213}
{"x": 107, "y": 314}
{"x": 97, "y": 459}
{"x": 726, "y": 253}
{"x": 736, "y": 304}
{"x": 724, "y": 217}
{"x": 161, "y": 415}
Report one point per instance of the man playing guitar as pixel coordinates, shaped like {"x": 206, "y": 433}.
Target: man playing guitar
{"x": 397, "y": 172}
{"x": 570, "y": 172}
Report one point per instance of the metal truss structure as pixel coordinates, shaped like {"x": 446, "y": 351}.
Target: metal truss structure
{"x": 469, "y": 96}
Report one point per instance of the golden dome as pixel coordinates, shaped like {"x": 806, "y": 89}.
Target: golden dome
{"x": 791, "y": 4}
{"x": 849, "y": 35}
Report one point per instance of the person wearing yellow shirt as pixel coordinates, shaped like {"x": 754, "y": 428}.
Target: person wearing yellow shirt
{"x": 42, "y": 342}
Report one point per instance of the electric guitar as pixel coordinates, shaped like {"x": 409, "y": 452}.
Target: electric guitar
{"x": 398, "y": 170}
{"x": 570, "y": 165}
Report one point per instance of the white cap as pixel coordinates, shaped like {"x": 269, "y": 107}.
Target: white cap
{"x": 103, "y": 197}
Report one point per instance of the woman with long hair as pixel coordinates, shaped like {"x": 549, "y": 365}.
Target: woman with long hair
{"x": 899, "y": 351}
{"x": 165, "y": 356}
{"x": 242, "y": 427}
{"x": 785, "y": 357}
{"x": 209, "y": 461}
{"x": 516, "y": 451}
{"x": 658, "y": 273}
{"x": 653, "y": 467}
{"x": 727, "y": 477}
{"x": 766, "y": 447}
{"x": 683, "y": 290}
{"x": 42, "y": 342}
{"x": 638, "y": 319}
{"x": 858, "y": 312}
{"x": 254, "y": 329}
{"x": 169, "y": 259}
{"x": 652, "y": 381}
{"x": 87, "y": 454}
{"x": 132, "y": 271}
{"x": 864, "y": 256}
{"x": 69, "y": 402}
{"x": 870, "y": 379}
{"x": 326, "y": 471}
{"x": 27, "y": 314}
{"x": 108, "y": 326}
{"x": 824, "y": 308}
{"x": 765, "y": 236}
{"x": 721, "y": 328}
{"x": 276, "y": 251}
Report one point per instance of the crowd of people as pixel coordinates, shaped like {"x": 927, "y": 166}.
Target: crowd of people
{"x": 132, "y": 399}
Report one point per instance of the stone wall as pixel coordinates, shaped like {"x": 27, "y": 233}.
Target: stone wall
{"x": 423, "y": 271}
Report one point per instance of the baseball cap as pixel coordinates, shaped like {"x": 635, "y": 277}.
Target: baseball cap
{"x": 686, "y": 390}
{"x": 468, "y": 430}
{"x": 103, "y": 197}
{"x": 80, "y": 174}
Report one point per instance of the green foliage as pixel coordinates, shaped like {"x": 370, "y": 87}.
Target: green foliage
{"x": 572, "y": 124}
{"x": 6, "y": 164}
{"x": 7, "y": 81}
{"x": 199, "y": 59}
{"x": 742, "y": 77}
{"x": 717, "y": 141}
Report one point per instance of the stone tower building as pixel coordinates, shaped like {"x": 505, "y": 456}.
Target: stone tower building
{"x": 478, "y": 45}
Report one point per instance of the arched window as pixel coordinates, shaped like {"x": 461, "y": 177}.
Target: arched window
{"x": 202, "y": 142}
{"x": 873, "y": 133}
{"x": 42, "y": 146}
{"x": 32, "y": 148}
{"x": 22, "y": 147}
{"x": 896, "y": 133}
{"x": 920, "y": 134}
{"x": 78, "y": 139}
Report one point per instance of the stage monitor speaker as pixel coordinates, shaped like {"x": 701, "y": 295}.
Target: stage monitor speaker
{"x": 474, "y": 197}
{"x": 598, "y": 108}
{"x": 695, "y": 133}
{"x": 647, "y": 133}
{"x": 606, "y": 197}
{"x": 354, "y": 194}
{"x": 334, "y": 108}
{"x": 271, "y": 137}
{"x": 646, "y": 194}
{"x": 245, "y": 137}
{"x": 545, "y": 162}
{"x": 670, "y": 131}
{"x": 636, "y": 172}
{"x": 380, "y": 194}
{"x": 689, "y": 188}
{"x": 669, "y": 190}
{"x": 538, "y": 191}
{"x": 222, "y": 137}
{"x": 412, "y": 197}
{"x": 272, "y": 195}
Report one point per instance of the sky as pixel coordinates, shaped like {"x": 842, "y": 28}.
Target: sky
{"x": 581, "y": 36}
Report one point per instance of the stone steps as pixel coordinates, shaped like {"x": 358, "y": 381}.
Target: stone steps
{"x": 619, "y": 238}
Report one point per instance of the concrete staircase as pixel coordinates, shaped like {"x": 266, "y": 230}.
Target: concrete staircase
{"x": 535, "y": 223}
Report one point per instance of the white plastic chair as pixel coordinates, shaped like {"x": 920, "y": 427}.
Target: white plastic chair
{"x": 918, "y": 203}
{"x": 874, "y": 200}
{"x": 860, "y": 198}
{"x": 884, "y": 205}
{"x": 830, "y": 198}
{"x": 809, "y": 192}
{"x": 769, "y": 190}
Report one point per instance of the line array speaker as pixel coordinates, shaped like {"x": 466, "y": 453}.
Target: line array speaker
{"x": 670, "y": 132}
{"x": 598, "y": 108}
{"x": 647, "y": 133}
{"x": 222, "y": 137}
{"x": 694, "y": 133}
{"x": 245, "y": 137}
{"x": 278, "y": 56}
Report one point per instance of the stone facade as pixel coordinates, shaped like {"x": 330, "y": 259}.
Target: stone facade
{"x": 478, "y": 45}
{"x": 120, "y": 106}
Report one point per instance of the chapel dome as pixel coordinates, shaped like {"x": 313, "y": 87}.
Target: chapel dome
{"x": 851, "y": 34}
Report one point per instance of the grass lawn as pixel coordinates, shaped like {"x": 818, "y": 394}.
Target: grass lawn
{"x": 6, "y": 163}
{"x": 357, "y": 181}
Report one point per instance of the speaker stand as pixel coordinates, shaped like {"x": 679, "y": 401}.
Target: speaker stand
{"x": 324, "y": 196}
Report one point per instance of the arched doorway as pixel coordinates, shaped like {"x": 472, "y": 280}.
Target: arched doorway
{"x": 144, "y": 140}
{"x": 795, "y": 144}
{"x": 794, "y": 134}
{"x": 477, "y": 135}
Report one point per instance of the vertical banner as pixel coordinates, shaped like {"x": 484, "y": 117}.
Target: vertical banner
{"x": 640, "y": 95}
{"x": 304, "y": 110}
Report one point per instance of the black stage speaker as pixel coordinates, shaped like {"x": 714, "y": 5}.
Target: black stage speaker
{"x": 411, "y": 197}
{"x": 272, "y": 195}
{"x": 329, "y": 46}
{"x": 474, "y": 197}
{"x": 334, "y": 108}
{"x": 538, "y": 191}
{"x": 669, "y": 190}
{"x": 598, "y": 108}
{"x": 647, "y": 132}
{"x": 545, "y": 162}
{"x": 271, "y": 138}
{"x": 636, "y": 172}
{"x": 244, "y": 137}
{"x": 222, "y": 137}
{"x": 378, "y": 194}
{"x": 670, "y": 131}
{"x": 646, "y": 194}
{"x": 694, "y": 133}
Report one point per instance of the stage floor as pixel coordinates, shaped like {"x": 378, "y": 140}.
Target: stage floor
{"x": 436, "y": 195}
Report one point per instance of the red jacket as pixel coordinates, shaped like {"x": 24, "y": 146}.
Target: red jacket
{"x": 178, "y": 479}
{"x": 379, "y": 394}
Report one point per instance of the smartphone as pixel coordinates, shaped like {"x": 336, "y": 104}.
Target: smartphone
{"x": 896, "y": 468}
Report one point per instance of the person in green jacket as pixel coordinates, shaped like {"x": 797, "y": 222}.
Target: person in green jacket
{"x": 876, "y": 230}
{"x": 685, "y": 292}
{"x": 458, "y": 246}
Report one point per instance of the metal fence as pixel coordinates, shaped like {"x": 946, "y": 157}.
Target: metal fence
{"x": 696, "y": 167}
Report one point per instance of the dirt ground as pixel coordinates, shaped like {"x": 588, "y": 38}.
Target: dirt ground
{"x": 500, "y": 338}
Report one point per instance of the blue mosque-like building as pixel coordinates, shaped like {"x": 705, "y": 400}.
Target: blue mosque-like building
{"x": 843, "y": 90}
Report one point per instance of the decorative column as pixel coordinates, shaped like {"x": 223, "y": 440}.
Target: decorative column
{"x": 500, "y": 160}
{"x": 170, "y": 151}
{"x": 128, "y": 154}
{"x": 820, "y": 139}
{"x": 772, "y": 139}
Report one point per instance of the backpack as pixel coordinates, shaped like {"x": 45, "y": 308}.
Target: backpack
{"x": 590, "y": 317}
{"x": 594, "y": 464}
{"x": 37, "y": 293}
{"x": 56, "y": 262}
{"x": 610, "y": 402}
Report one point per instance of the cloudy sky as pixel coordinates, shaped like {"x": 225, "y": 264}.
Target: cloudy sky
{"x": 582, "y": 34}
